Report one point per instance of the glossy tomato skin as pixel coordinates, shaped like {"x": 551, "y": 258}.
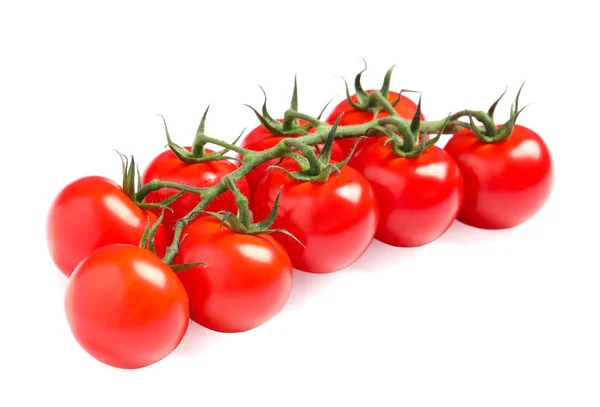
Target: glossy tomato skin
{"x": 246, "y": 279}
{"x": 336, "y": 220}
{"x": 92, "y": 212}
{"x": 406, "y": 108}
{"x": 260, "y": 139}
{"x": 126, "y": 307}
{"x": 167, "y": 167}
{"x": 418, "y": 198}
{"x": 506, "y": 182}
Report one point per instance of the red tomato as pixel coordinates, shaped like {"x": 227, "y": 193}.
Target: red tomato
{"x": 506, "y": 182}
{"x": 167, "y": 167}
{"x": 418, "y": 198}
{"x": 92, "y": 212}
{"x": 260, "y": 139}
{"x": 246, "y": 279}
{"x": 126, "y": 307}
{"x": 406, "y": 108}
{"x": 336, "y": 219}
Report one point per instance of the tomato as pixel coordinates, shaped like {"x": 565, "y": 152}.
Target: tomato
{"x": 246, "y": 279}
{"x": 406, "y": 108}
{"x": 167, "y": 167}
{"x": 418, "y": 198}
{"x": 260, "y": 139}
{"x": 336, "y": 219}
{"x": 506, "y": 182}
{"x": 92, "y": 212}
{"x": 126, "y": 307}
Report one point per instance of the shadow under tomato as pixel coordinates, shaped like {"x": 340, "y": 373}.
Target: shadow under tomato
{"x": 197, "y": 339}
{"x": 306, "y": 285}
{"x": 379, "y": 256}
{"x": 461, "y": 234}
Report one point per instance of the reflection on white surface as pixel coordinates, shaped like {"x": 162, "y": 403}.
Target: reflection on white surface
{"x": 436, "y": 170}
{"x": 121, "y": 209}
{"x": 150, "y": 274}
{"x": 527, "y": 149}
{"x": 256, "y": 252}
{"x": 351, "y": 192}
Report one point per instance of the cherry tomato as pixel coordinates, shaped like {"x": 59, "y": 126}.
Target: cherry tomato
{"x": 92, "y": 212}
{"x": 126, "y": 307}
{"x": 506, "y": 182}
{"x": 167, "y": 167}
{"x": 418, "y": 198}
{"x": 406, "y": 108}
{"x": 246, "y": 279}
{"x": 260, "y": 139}
{"x": 336, "y": 219}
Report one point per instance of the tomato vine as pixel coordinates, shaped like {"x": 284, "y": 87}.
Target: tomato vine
{"x": 404, "y": 134}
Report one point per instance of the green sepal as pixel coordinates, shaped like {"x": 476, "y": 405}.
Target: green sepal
{"x": 391, "y": 136}
{"x": 266, "y": 223}
{"x": 129, "y": 178}
{"x": 361, "y": 95}
{"x": 180, "y": 267}
{"x": 349, "y": 98}
{"x": 492, "y": 108}
{"x": 153, "y": 230}
{"x": 265, "y": 111}
{"x": 294, "y": 102}
{"x": 415, "y": 124}
{"x": 149, "y": 234}
{"x": 481, "y": 136}
{"x": 164, "y": 204}
{"x": 198, "y": 144}
{"x": 337, "y": 167}
{"x": 385, "y": 87}
{"x": 241, "y": 202}
{"x": 299, "y": 158}
{"x": 144, "y": 238}
{"x": 308, "y": 152}
{"x": 325, "y": 155}
{"x": 325, "y": 108}
{"x": 182, "y": 153}
{"x": 395, "y": 102}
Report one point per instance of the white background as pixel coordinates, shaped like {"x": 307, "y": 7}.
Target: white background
{"x": 477, "y": 318}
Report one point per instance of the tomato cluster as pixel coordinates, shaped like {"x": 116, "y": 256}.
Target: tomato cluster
{"x": 147, "y": 261}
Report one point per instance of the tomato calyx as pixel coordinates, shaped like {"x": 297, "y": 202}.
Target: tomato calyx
{"x": 408, "y": 141}
{"x": 376, "y": 100}
{"x": 132, "y": 186}
{"x": 197, "y": 153}
{"x": 313, "y": 168}
{"x": 290, "y": 125}
{"x": 241, "y": 222}
{"x": 490, "y": 132}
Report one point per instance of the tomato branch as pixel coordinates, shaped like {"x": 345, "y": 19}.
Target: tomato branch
{"x": 156, "y": 185}
{"x": 403, "y": 132}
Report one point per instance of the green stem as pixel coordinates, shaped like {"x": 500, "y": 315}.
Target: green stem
{"x": 308, "y": 153}
{"x": 382, "y": 102}
{"x": 156, "y": 184}
{"x": 224, "y": 144}
{"x": 253, "y": 159}
{"x": 293, "y": 114}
